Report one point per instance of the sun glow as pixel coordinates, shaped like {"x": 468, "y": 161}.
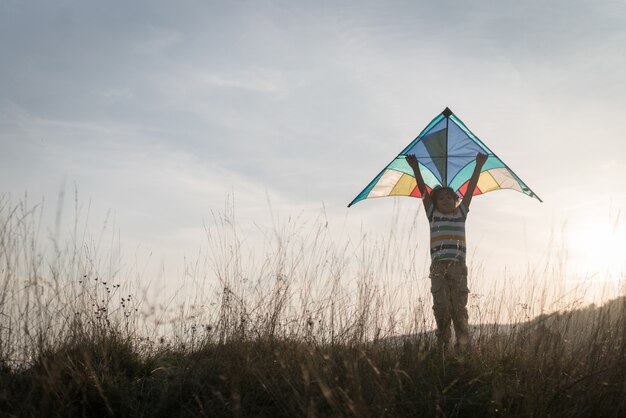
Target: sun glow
{"x": 597, "y": 247}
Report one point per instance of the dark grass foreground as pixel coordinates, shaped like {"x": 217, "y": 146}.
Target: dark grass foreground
{"x": 282, "y": 336}
{"x": 553, "y": 366}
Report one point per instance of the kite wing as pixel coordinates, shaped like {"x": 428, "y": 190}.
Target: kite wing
{"x": 446, "y": 150}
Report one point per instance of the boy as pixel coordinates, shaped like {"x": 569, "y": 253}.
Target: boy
{"x": 448, "y": 271}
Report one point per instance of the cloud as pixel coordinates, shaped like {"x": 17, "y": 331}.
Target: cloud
{"x": 156, "y": 40}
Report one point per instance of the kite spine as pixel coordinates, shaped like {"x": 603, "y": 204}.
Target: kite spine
{"x": 446, "y": 113}
{"x": 445, "y": 170}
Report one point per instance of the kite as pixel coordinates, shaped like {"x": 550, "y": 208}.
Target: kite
{"x": 446, "y": 150}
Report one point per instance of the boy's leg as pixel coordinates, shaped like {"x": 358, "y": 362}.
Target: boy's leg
{"x": 441, "y": 303}
{"x": 457, "y": 276}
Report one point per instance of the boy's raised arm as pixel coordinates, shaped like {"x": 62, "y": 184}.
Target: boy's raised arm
{"x": 421, "y": 186}
{"x": 471, "y": 186}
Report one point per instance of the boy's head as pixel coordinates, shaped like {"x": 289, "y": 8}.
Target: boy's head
{"x": 444, "y": 199}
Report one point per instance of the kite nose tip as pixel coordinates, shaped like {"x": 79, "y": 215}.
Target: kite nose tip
{"x": 447, "y": 112}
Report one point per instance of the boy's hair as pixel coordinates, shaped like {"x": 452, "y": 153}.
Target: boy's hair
{"x": 439, "y": 189}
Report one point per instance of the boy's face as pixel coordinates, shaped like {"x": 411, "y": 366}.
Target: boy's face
{"x": 445, "y": 202}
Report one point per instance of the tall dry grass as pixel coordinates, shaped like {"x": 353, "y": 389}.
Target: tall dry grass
{"x": 304, "y": 325}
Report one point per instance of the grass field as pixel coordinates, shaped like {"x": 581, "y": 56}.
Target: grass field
{"x": 294, "y": 332}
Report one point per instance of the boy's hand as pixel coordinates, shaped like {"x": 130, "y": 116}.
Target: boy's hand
{"x": 412, "y": 160}
{"x": 473, "y": 181}
{"x": 480, "y": 159}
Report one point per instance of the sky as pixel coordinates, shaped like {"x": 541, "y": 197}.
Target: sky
{"x": 155, "y": 115}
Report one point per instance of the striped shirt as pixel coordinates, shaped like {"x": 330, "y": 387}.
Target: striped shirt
{"x": 447, "y": 234}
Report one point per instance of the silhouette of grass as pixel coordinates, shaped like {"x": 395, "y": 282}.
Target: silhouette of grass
{"x": 281, "y": 335}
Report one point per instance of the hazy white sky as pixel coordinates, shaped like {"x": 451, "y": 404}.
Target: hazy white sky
{"x": 157, "y": 110}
